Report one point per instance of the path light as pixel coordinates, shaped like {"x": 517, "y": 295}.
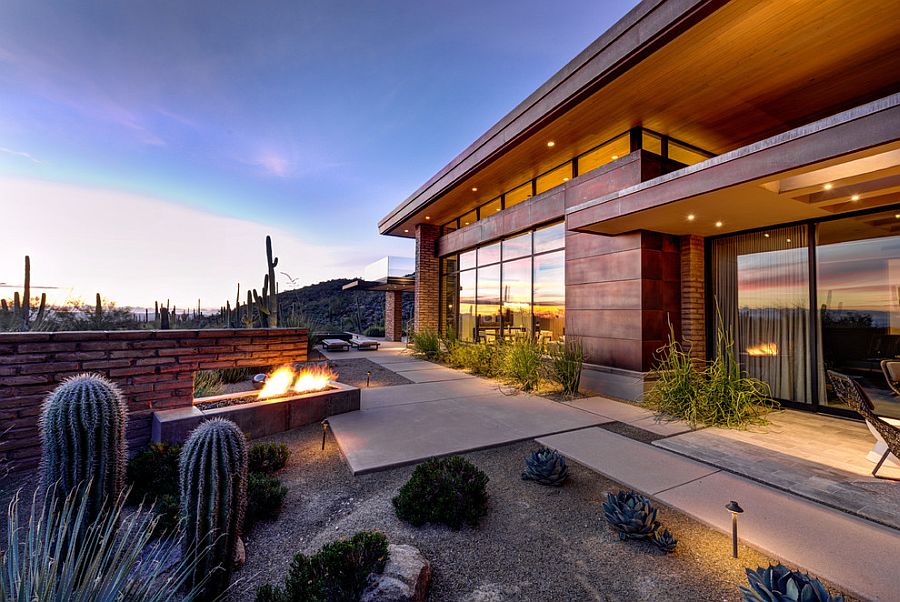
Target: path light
{"x": 368, "y": 376}
{"x": 735, "y": 509}
{"x": 325, "y": 432}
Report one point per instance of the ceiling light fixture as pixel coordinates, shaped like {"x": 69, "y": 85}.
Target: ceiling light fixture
{"x": 427, "y": 217}
{"x": 718, "y": 224}
{"x": 828, "y": 186}
{"x": 789, "y": 240}
{"x": 897, "y": 215}
{"x": 406, "y": 230}
{"x": 474, "y": 189}
{"x": 691, "y": 217}
{"x": 766, "y": 235}
{"x": 551, "y": 144}
{"x": 615, "y": 157}
{"x": 855, "y": 197}
{"x": 565, "y": 179}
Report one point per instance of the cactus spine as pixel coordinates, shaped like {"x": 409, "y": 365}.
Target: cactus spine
{"x": 83, "y": 439}
{"x": 213, "y": 498}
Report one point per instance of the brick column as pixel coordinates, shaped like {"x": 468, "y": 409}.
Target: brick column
{"x": 693, "y": 296}
{"x": 393, "y": 315}
{"x": 427, "y": 298}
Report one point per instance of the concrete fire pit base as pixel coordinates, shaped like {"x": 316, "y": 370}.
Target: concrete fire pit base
{"x": 259, "y": 418}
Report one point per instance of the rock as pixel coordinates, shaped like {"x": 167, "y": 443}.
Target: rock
{"x": 405, "y": 578}
{"x": 240, "y": 554}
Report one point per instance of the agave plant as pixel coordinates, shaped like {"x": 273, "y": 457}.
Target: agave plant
{"x": 546, "y": 466}
{"x": 114, "y": 559}
{"x": 780, "y": 584}
{"x": 664, "y": 540}
{"x": 631, "y": 514}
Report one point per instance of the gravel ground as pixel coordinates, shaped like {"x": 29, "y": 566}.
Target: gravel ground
{"x": 353, "y": 372}
{"x": 536, "y": 543}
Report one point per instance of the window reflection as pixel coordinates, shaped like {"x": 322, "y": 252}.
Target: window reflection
{"x": 488, "y": 303}
{"x": 517, "y": 246}
{"x": 467, "y": 305}
{"x": 517, "y": 298}
{"x": 549, "y": 296}
{"x": 550, "y": 238}
{"x": 489, "y": 254}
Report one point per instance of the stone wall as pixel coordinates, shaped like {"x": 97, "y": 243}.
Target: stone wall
{"x": 693, "y": 296}
{"x": 427, "y": 278}
{"x": 153, "y": 368}
{"x": 393, "y": 315}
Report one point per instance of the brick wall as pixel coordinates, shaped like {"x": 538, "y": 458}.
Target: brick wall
{"x": 427, "y": 278}
{"x": 693, "y": 296}
{"x": 393, "y": 315}
{"x": 154, "y": 369}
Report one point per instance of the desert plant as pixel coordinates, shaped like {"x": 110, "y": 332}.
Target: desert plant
{"x": 664, "y": 540}
{"x": 427, "y": 344}
{"x": 265, "y": 497}
{"x": 634, "y": 517}
{"x": 207, "y": 383}
{"x": 268, "y": 457}
{"x": 566, "y": 360}
{"x": 521, "y": 362}
{"x": 153, "y": 472}
{"x": 374, "y": 331}
{"x": 83, "y": 440}
{"x": 484, "y": 358}
{"x": 546, "y": 466}
{"x": 679, "y": 386}
{"x": 213, "y": 499}
{"x": 451, "y": 491}
{"x": 115, "y": 560}
{"x": 19, "y": 316}
{"x": 780, "y": 584}
{"x": 338, "y": 572}
{"x": 233, "y": 375}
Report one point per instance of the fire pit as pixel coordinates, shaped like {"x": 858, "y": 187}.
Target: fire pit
{"x": 290, "y": 398}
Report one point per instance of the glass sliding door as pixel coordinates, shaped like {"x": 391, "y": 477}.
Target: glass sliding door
{"x": 488, "y": 303}
{"x": 760, "y": 285}
{"x": 858, "y": 270}
{"x": 467, "y": 305}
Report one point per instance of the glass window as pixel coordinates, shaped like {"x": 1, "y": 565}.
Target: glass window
{"x": 489, "y": 254}
{"x": 517, "y": 298}
{"x": 550, "y": 296}
{"x": 488, "y": 303}
{"x": 612, "y": 150}
{"x": 470, "y": 218}
{"x": 467, "y": 305}
{"x": 517, "y": 246}
{"x": 858, "y": 268}
{"x": 451, "y": 226}
{"x": 491, "y": 208}
{"x": 549, "y": 238}
{"x": 467, "y": 260}
{"x": 554, "y": 178}
{"x": 517, "y": 195}
{"x": 651, "y": 142}
{"x": 761, "y": 286}
{"x": 449, "y": 309}
{"x": 685, "y": 155}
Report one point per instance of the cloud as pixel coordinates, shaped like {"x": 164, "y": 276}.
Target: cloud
{"x": 272, "y": 163}
{"x": 16, "y": 153}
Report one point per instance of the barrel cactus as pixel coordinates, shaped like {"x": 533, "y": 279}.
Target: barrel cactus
{"x": 83, "y": 440}
{"x": 780, "y": 584}
{"x": 546, "y": 466}
{"x": 213, "y": 498}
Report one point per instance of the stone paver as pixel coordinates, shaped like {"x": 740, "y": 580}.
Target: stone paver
{"x": 424, "y": 392}
{"x": 429, "y": 376}
{"x": 413, "y": 364}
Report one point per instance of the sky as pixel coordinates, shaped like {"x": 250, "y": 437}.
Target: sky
{"x": 148, "y": 147}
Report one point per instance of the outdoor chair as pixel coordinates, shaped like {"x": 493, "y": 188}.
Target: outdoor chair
{"x": 891, "y": 369}
{"x": 335, "y": 345}
{"x": 364, "y": 344}
{"x": 885, "y": 430}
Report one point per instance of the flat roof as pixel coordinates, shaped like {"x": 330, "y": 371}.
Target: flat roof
{"x": 392, "y": 283}
{"x": 775, "y": 66}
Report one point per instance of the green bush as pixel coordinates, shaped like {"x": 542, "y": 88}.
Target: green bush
{"x": 566, "y": 360}
{"x": 234, "y": 375}
{"x": 426, "y": 344}
{"x": 265, "y": 497}
{"x": 153, "y": 472}
{"x": 207, "y": 383}
{"x": 338, "y": 572}
{"x": 374, "y": 331}
{"x": 268, "y": 458}
{"x": 521, "y": 362}
{"x": 451, "y": 491}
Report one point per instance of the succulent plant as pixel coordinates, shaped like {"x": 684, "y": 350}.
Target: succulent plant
{"x": 546, "y": 466}
{"x": 780, "y": 584}
{"x": 213, "y": 499}
{"x": 664, "y": 540}
{"x": 19, "y": 316}
{"x": 83, "y": 440}
{"x": 631, "y": 514}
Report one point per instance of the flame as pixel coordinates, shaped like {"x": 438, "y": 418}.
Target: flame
{"x": 284, "y": 379}
{"x": 763, "y": 349}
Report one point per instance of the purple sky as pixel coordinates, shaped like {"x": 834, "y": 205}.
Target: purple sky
{"x": 146, "y": 148}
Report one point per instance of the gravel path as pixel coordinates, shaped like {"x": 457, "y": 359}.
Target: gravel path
{"x": 536, "y": 543}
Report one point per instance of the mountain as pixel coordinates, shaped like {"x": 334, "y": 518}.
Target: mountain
{"x": 325, "y": 307}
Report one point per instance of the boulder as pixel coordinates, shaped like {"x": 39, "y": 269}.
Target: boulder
{"x": 405, "y": 578}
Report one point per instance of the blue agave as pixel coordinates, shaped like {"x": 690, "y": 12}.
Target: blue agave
{"x": 631, "y": 514}
{"x": 780, "y": 584}
{"x": 664, "y": 540}
{"x": 546, "y": 466}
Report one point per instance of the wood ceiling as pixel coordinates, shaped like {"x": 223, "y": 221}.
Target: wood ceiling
{"x": 752, "y": 69}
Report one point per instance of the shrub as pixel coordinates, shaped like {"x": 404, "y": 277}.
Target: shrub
{"x": 679, "y": 386}
{"x": 521, "y": 362}
{"x": 338, "y": 572}
{"x": 374, "y": 331}
{"x": 207, "y": 383}
{"x": 426, "y": 344}
{"x": 780, "y": 584}
{"x": 233, "y": 375}
{"x": 153, "y": 472}
{"x": 451, "y": 491}
{"x": 268, "y": 458}
{"x": 265, "y": 497}
{"x": 566, "y": 359}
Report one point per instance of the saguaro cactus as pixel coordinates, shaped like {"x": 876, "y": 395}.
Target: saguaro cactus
{"x": 83, "y": 439}
{"x": 213, "y": 498}
{"x": 19, "y": 316}
{"x": 267, "y": 302}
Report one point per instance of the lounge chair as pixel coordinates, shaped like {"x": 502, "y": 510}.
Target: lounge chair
{"x": 364, "y": 344}
{"x": 335, "y": 345}
{"x": 891, "y": 369}
{"x": 885, "y": 430}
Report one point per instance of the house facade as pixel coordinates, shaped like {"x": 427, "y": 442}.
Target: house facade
{"x": 704, "y": 166}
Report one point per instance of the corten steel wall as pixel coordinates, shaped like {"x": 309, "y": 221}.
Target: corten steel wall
{"x": 428, "y": 267}
{"x": 153, "y": 368}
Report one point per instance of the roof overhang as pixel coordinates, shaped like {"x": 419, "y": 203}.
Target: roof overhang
{"x": 392, "y": 283}
{"x": 856, "y": 154}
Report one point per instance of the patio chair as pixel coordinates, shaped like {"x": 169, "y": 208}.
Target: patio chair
{"x": 891, "y": 369}
{"x": 885, "y": 430}
{"x": 335, "y": 345}
{"x": 364, "y": 344}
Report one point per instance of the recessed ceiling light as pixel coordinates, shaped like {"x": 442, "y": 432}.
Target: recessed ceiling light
{"x": 467, "y": 223}
{"x": 474, "y": 189}
{"x": 551, "y": 143}
{"x": 615, "y": 157}
{"x": 897, "y": 215}
{"x": 855, "y": 197}
{"x": 766, "y": 235}
{"x": 406, "y": 230}
{"x": 691, "y": 217}
{"x": 498, "y": 208}
{"x": 565, "y": 179}
{"x": 718, "y": 224}
{"x": 828, "y": 186}
{"x": 427, "y": 217}
{"x": 789, "y": 240}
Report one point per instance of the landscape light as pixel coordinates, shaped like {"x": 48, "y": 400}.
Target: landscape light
{"x": 368, "y": 376}
{"x": 735, "y": 509}
{"x": 324, "y": 432}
